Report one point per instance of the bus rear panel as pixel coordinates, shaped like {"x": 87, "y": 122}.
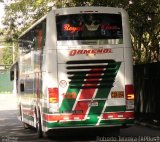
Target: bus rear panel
{"x": 93, "y": 86}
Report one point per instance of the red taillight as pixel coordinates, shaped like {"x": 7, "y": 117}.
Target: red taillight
{"x": 129, "y": 91}
{"x": 53, "y": 95}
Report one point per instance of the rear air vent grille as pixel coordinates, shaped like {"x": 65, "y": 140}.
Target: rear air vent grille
{"x": 92, "y": 73}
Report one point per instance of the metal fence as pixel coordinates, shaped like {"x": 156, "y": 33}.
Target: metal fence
{"x": 6, "y": 86}
{"x": 147, "y": 90}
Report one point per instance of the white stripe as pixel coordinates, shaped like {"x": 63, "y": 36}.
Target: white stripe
{"x": 79, "y": 94}
{"x": 100, "y": 117}
{"x": 95, "y": 92}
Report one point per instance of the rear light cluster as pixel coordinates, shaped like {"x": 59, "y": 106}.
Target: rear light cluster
{"x": 129, "y": 90}
{"x": 53, "y": 95}
{"x": 53, "y": 99}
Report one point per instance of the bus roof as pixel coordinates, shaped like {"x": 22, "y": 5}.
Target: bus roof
{"x": 80, "y": 8}
{"x": 36, "y": 23}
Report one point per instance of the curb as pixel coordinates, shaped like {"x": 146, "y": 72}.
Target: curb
{"x": 147, "y": 125}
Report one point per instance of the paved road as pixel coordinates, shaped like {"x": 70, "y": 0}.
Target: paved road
{"x": 11, "y": 129}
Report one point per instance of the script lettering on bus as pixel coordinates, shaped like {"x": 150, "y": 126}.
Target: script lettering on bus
{"x": 109, "y": 27}
{"x": 90, "y": 51}
{"x": 72, "y": 29}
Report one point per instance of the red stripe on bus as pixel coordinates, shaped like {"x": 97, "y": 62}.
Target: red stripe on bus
{"x": 124, "y": 115}
{"x": 87, "y": 94}
{"x": 50, "y": 117}
{"x": 28, "y": 112}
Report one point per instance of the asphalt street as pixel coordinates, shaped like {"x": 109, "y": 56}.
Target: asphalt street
{"x": 11, "y": 129}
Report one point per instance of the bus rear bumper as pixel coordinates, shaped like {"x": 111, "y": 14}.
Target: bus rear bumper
{"x": 118, "y": 123}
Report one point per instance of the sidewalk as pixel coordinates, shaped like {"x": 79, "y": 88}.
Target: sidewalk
{"x": 8, "y": 102}
{"x": 147, "y": 124}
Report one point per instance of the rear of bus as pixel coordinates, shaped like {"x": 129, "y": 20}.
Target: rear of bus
{"x": 93, "y": 69}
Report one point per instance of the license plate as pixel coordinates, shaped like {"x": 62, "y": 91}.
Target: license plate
{"x": 93, "y": 104}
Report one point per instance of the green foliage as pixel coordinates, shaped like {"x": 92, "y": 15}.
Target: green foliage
{"x": 16, "y": 53}
{"x": 144, "y": 21}
{"x": 145, "y": 28}
{"x": 7, "y": 56}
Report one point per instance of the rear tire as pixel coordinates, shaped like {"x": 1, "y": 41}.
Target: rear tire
{"x": 39, "y": 125}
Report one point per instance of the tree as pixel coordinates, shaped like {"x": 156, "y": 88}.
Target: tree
{"x": 7, "y": 58}
{"x": 144, "y": 20}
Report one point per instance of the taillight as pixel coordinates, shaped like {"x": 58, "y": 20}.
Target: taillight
{"x": 129, "y": 91}
{"x": 53, "y": 95}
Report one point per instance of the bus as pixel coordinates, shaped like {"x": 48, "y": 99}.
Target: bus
{"x": 75, "y": 70}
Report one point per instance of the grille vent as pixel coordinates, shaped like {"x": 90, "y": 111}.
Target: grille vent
{"x": 92, "y": 73}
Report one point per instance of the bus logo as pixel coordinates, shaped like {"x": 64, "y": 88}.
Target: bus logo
{"x": 68, "y": 27}
{"x": 90, "y": 51}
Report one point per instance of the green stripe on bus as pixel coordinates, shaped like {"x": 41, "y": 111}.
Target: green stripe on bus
{"x": 103, "y": 94}
{"x": 117, "y": 122}
{"x": 67, "y": 104}
{"x": 28, "y": 117}
{"x": 97, "y": 109}
{"x": 68, "y": 124}
{"x": 115, "y": 108}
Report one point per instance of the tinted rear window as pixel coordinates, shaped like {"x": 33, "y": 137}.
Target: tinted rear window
{"x": 89, "y": 27}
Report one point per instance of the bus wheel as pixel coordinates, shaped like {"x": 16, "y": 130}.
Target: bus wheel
{"x": 19, "y": 112}
{"x": 39, "y": 125}
{"x": 45, "y": 135}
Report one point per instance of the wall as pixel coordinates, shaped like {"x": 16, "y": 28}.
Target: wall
{"x": 147, "y": 91}
{"x": 6, "y": 86}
